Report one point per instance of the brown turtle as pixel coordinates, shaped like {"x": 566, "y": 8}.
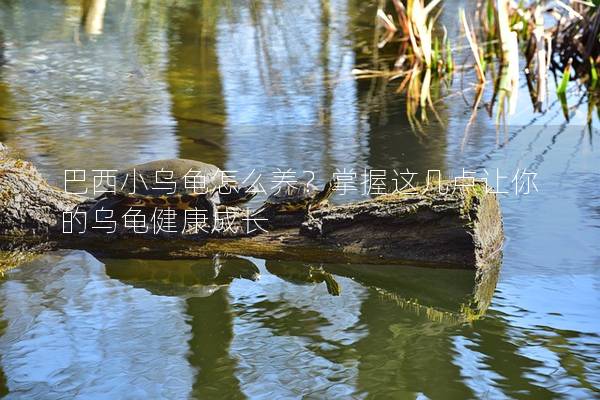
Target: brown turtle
{"x": 137, "y": 186}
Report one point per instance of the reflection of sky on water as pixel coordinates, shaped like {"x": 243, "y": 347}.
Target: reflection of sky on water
{"x": 548, "y": 289}
{"x": 73, "y": 331}
{"x": 84, "y": 96}
{"x": 295, "y": 339}
{"x": 288, "y": 103}
{"x": 289, "y": 100}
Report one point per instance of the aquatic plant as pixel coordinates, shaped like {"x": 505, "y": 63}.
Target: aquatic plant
{"x": 472, "y": 39}
{"x": 422, "y": 56}
{"x": 555, "y": 37}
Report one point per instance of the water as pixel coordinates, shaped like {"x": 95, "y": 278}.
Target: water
{"x": 262, "y": 85}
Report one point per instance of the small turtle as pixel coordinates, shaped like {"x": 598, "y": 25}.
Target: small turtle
{"x": 152, "y": 185}
{"x": 301, "y": 196}
{"x": 303, "y": 274}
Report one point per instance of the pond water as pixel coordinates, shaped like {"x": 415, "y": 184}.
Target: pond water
{"x": 257, "y": 85}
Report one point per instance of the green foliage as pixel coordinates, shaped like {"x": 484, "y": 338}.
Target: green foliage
{"x": 564, "y": 82}
{"x": 449, "y": 60}
{"x": 435, "y": 55}
{"x": 593, "y": 74}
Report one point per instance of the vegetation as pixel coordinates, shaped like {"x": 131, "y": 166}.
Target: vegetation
{"x": 556, "y": 38}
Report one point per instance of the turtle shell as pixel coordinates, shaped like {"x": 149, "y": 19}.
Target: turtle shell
{"x": 300, "y": 192}
{"x": 141, "y": 180}
{"x": 198, "y": 278}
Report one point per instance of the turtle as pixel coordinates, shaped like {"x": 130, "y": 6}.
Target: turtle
{"x": 304, "y": 274}
{"x": 299, "y": 197}
{"x": 187, "y": 278}
{"x": 152, "y": 185}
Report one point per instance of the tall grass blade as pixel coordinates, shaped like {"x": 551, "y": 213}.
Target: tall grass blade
{"x": 564, "y": 82}
{"x": 474, "y": 47}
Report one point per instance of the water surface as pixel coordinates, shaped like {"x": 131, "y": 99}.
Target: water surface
{"x": 265, "y": 85}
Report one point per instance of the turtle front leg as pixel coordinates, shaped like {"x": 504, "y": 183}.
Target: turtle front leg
{"x": 213, "y": 213}
{"x": 209, "y": 213}
{"x": 308, "y": 213}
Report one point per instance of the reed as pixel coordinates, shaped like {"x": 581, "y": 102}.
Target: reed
{"x": 562, "y": 36}
{"x": 472, "y": 39}
{"x": 537, "y": 56}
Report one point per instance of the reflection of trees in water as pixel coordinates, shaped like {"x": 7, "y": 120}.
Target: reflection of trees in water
{"x": 497, "y": 341}
{"x": 6, "y": 108}
{"x": 295, "y": 339}
{"x": 285, "y": 69}
{"x": 202, "y": 283}
{"x": 325, "y": 110}
{"x": 195, "y": 82}
{"x": 411, "y": 350}
{"x": 401, "y": 353}
{"x": 538, "y": 362}
{"x": 276, "y": 336}
{"x": 391, "y": 142}
{"x": 411, "y": 315}
{"x": 92, "y": 16}
{"x": 2, "y": 59}
{"x": 405, "y": 325}
{"x": 3, "y": 384}
{"x": 212, "y": 331}
{"x": 71, "y": 94}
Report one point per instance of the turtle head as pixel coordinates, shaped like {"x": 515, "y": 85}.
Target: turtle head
{"x": 331, "y": 186}
{"x": 327, "y": 191}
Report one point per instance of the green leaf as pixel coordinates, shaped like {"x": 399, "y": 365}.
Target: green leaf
{"x": 564, "y": 82}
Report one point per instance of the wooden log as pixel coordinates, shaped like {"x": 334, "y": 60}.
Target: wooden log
{"x": 442, "y": 225}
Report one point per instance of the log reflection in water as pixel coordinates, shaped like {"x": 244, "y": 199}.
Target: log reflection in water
{"x": 448, "y": 296}
{"x": 341, "y": 335}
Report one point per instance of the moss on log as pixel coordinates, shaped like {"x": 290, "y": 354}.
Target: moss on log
{"x": 439, "y": 225}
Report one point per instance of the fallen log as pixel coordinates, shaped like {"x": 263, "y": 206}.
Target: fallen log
{"x": 442, "y": 224}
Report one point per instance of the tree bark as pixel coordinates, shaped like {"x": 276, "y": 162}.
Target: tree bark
{"x": 439, "y": 225}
